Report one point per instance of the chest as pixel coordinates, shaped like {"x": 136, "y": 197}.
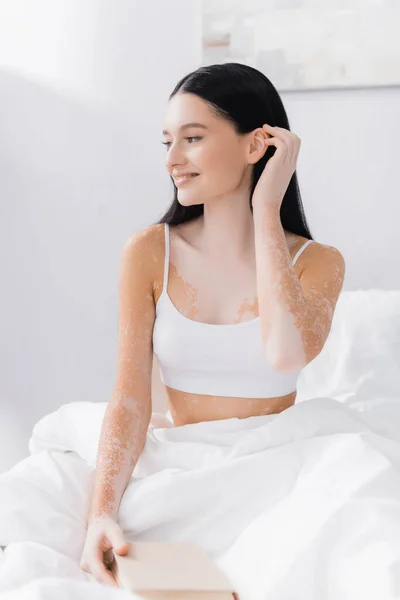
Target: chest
{"x": 215, "y": 294}
{"x": 211, "y": 291}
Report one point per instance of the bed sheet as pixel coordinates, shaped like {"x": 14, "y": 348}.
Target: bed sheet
{"x": 301, "y": 504}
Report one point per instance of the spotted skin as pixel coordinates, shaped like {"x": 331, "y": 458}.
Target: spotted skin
{"x": 296, "y": 313}
{"x": 296, "y": 304}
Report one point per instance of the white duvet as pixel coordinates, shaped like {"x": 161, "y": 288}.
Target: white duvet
{"x": 300, "y": 505}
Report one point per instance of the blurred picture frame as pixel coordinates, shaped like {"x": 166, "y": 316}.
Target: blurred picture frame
{"x": 307, "y": 45}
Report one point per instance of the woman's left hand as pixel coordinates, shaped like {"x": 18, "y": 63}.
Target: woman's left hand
{"x": 274, "y": 180}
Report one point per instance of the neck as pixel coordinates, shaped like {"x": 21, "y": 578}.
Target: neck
{"x": 226, "y": 229}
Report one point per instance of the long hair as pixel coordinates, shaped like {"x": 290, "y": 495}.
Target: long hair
{"x": 247, "y": 98}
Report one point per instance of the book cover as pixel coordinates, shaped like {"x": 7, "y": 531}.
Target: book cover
{"x": 171, "y": 570}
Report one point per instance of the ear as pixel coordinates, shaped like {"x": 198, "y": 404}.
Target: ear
{"x": 257, "y": 147}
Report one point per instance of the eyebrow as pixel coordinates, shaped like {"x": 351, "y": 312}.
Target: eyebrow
{"x": 186, "y": 126}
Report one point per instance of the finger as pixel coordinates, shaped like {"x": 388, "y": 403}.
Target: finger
{"x": 280, "y": 136}
{"x": 116, "y": 538}
{"x": 280, "y": 146}
{"x": 295, "y": 149}
{"x": 288, "y": 137}
{"x": 84, "y": 566}
{"x": 293, "y": 141}
{"x": 103, "y": 575}
{"x": 290, "y": 141}
{"x": 99, "y": 569}
{"x": 278, "y": 131}
{"x": 285, "y": 133}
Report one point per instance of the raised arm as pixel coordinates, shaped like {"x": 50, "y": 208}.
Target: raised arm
{"x": 128, "y": 413}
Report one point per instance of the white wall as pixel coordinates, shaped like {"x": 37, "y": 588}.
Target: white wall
{"x": 83, "y": 89}
{"x": 348, "y": 175}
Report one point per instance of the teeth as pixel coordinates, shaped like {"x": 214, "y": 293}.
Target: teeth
{"x": 187, "y": 176}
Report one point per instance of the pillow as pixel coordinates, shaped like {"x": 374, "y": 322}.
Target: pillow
{"x": 360, "y": 362}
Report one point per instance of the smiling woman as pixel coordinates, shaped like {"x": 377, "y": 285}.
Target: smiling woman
{"x": 228, "y": 290}
{"x": 231, "y": 101}
{"x": 235, "y": 251}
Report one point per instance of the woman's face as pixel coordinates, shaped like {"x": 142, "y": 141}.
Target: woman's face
{"x": 212, "y": 149}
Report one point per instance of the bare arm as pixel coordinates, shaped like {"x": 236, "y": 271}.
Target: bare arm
{"x": 128, "y": 413}
{"x": 296, "y": 312}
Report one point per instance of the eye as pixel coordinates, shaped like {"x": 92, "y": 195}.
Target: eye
{"x": 193, "y": 137}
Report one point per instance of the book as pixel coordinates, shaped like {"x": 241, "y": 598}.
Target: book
{"x": 171, "y": 571}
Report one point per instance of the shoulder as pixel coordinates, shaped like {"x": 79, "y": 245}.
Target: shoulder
{"x": 145, "y": 239}
{"x": 325, "y": 255}
{"x": 317, "y": 253}
{"x": 141, "y": 251}
{"x": 321, "y": 266}
{"x": 145, "y": 244}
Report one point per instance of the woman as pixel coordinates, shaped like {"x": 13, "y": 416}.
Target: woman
{"x": 229, "y": 288}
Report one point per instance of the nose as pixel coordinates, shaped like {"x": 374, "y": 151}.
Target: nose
{"x": 175, "y": 156}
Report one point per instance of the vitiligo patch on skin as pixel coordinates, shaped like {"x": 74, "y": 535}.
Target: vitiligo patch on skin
{"x": 194, "y": 287}
{"x": 122, "y": 439}
{"x": 196, "y": 302}
{"x": 248, "y": 308}
{"x": 187, "y": 295}
{"x": 295, "y": 306}
{"x": 187, "y": 300}
{"x": 128, "y": 413}
{"x": 296, "y": 311}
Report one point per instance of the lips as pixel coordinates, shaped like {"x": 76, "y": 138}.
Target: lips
{"x": 186, "y": 177}
{"x": 179, "y": 175}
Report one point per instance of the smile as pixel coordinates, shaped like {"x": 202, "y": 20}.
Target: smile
{"x": 184, "y": 178}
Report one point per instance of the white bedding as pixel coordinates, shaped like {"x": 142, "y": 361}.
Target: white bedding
{"x": 303, "y": 504}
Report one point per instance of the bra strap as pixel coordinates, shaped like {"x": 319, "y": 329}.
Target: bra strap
{"x": 304, "y": 246}
{"x": 166, "y": 259}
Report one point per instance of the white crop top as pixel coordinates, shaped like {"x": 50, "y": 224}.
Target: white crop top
{"x": 214, "y": 359}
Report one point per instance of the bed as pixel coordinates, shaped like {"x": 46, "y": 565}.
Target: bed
{"x": 303, "y": 504}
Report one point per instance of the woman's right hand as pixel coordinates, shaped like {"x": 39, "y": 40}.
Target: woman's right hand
{"x": 103, "y": 536}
